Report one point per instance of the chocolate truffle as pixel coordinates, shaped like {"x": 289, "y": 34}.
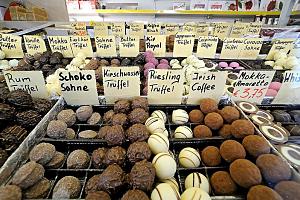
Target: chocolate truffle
{"x": 92, "y": 65}
{"x": 68, "y": 116}
{"x": 103, "y": 131}
{"x": 230, "y": 114}
{"x": 281, "y": 116}
{"x": 222, "y": 183}
{"x": 42, "y": 106}
{"x": 137, "y": 132}
{"x": 38, "y": 190}
{"x": 122, "y": 106}
{"x": 12, "y": 136}
{"x": 273, "y": 168}
{"x": 67, "y": 188}
{"x": 135, "y": 195}
{"x": 107, "y": 118}
{"x": 78, "y": 159}
{"x": 115, "y": 155}
{"x": 98, "y": 157}
{"x": 120, "y": 119}
{"x": 225, "y": 131}
{"x": 20, "y": 99}
{"x": 211, "y": 156}
{"x": 256, "y": 145}
{"x": 10, "y": 192}
{"x": 56, "y": 161}
{"x": 288, "y": 190}
{"x": 213, "y": 120}
{"x": 83, "y": 113}
{"x": 202, "y": 131}
{"x": 94, "y": 119}
{"x": 28, "y": 175}
{"x": 42, "y": 153}
{"x": 142, "y": 175}
{"x": 87, "y": 134}
{"x": 3, "y": 156}
{"x": 231, "y": 150}
{"x": 103, "y": 62}
{"x": 92, "y": 184}
{"x": 138, "y": 151}
{"x": 57, "y": 129}
{"x": 115, "y": 136}
{"x": 140, "y": 102}
{"x": 293, "y": 129}
{"x": 112, "y": 179}
{"x": 29, "y": 118}
{"x": 295, "y": 114}
{"x": 241, "y": 128}
{"x": 259, "y": 192}
{"x": 196, "y": 116}
{"x": 6, "y": 112}
{"x": 70, "y": 134}
{"x": 138, "y": 116}
{"x": 125, "y": 62}
{"x": 208, "y": 105}
{"x": 115, "y": 61}
{"x": 98, "y": 195}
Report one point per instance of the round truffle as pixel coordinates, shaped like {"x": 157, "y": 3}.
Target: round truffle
{"x": 10, "y": 192}
{"x": 222, "y": 183}
{"x": 194, "y": 193}
{"x": 183, "y": 132}
{"x": 83, "y": 113}
{"x": 198, "y": 180}
{"x": 56, "y": 161}
{"x": 140, "y": 102}
{"x": 165, "y": 165}
{"x": 68, "y": 116}
{"x": 138, "y": 116}
{"x": 142, "y": 176}
{"x": 155, "y": 125}
{"x": 241, "y": 128}
{"x": 115, "y": 61}
{"x": 115, "y": 155}
{"x": 103, "y": 62}
{"x": 70, "y": 134}
{"x": 230, "y": 114}
{"x": 87, "y": 134}
{"x": 120, "y": 119}
{"x": 288, "y": 190}
{"x": 107, "y": 118}
{"x": 164, "y": 191}
{"x": 158, "y": 143}
{"x": 273, "y": 168}
{"x": 225, "y": 131}
{"x": 138, "y": 151}
{"x": 245, "y": 173}
{"x": 189, "y": 158}
{"x": 78, "y": 159}
{"x": 196, "y": 116}
{"x": 92, "y": 184}
{"x": 103, "y": 131}
{"x": 115, "y": 136}
{"x": 213, "y": 120}
{"x": 137, "y": 132}
{"x": 20, "y": 98}
{"x": 231, "y": 150}
{"x": 57, "y": 129}
{"x": 67, "y": 187}
{"x": 42, "y": 106}
{"x": 97, "y": 195}
{"x": 208, "y": 105}
{"x": 211, "y": 156}
{"x": 94, "y": 119}
{"x": 135, "y": 195}
{"x": 28, "y": 118}
{"x": 112, "y": 179}
{"x": 38, "y": 190}
{"x": 259, "y": 192}
{"x": 202, "y": 131}
{"x": 180, "y": 116}
{"x": 122, "y": 106}
{"x": 42, "y": 153}
{"x": 256, "y": 145}
{"x": 160, "y": 114}
{"x": 98, "y": 157}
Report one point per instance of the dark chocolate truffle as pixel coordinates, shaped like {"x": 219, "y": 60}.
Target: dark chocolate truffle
{"x": 103, "y": 131}
{"x": 42, "y": 153}
{"x": 213, "y": 120}
{"x": 98, "y": 157}
{"x": 78, "y": 159}
{"x": 288, "y": 190}
{"x": 107, "y": 118}
{"x": 29, "y": 118}
{"x": 211, "y": 156}
{"x": 295, "y": 114}
{"x": 256, "y": 145}
{"x": 57, "y": 129}
{"x": 92, "y": 184}
{"x": 222, "y": 183}
{"x": 83, "y": 113}
{"x": 68, "y": 116}
{"x": 135, "y": 195}
{"x": 259, "y": 192}
{"x": 112, "y": 179}
{"x": 230, "y": 114}
{"x": 115, "y": 136}
{"x": 115, "y": 155}
{"x": 42, "y": 106}
{"x": 138, "y": 116}
{"x": 6, "y": 112}
{"x": 67, "y": 188}
{"x": 3, "y": 156}
{"x": 231, "y": 150}
{"x": 202, "y": 131}
{"x": 98, "y": 195}
{"x": 57, "y": 55}
{"x": 56, "y": 161}
{"x": 120, "y": 119}
{"x": 70, "y": 134}
{"x": 38, "y": 190}
{"x": 137, "y": 132}
{"x": 140, "y": 102}
{"x": 138, "y": 151}
{"x": 20, "y": 98}
{"x": 196, "y": 116}
{"x": 126, "y": 62}
{"x": 10, "y": 192}
{"x": 281, "y": 116}
{"x": 122, "y": 106}
{"x": 12, "y": 136}
{"x": 225, "y": 131}
{"x": 208, "y": 105}
{"x": 103, "y": 62}
{"x": 241, "y": 128}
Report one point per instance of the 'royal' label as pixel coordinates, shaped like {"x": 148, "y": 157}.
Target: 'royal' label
{"x": 157, "y": 44}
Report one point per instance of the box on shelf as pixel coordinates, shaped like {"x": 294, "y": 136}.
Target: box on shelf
{"x": 268, "y": 5}
{"x": 179, "y": 6}
{"x": 199, "y": 4}
{"x": 222, "y": 5}
{"x": 248, "y": 5}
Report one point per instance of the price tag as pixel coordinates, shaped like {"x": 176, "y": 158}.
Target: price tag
{"x": 171, "y": 29}
{"x": 251, "y": 48}
{"x": 81, "y": 44}
{"x": 118, "y": 28}
{"x": 165, "y": 86}
{"x": 183, "y": 45}
{"x": 31, "y": 81}
{"x": 137, "y": 29}
{"x": 79, "y": 28}
{"x": 106, "y": 46}
{"x": 61, "y": 44}
{"x": 34, "y": 44}
{"x": 207, "y": 46}
{"x": 157, "y": 44}
{"x": 254, "y": 29}
{"x": 129, "y": 46}
{"x": 282, "y": 45}
{"x": 11, "y": 45}
{"x": 238, "y": 30}
{"x": 79, "y": 87}
{"x": 121, "y": 82}
{"x": 289, "y": 92}
{"x": 206, "y": 84}
{"x": 222, "y": 30}
{"x": 189, "y": 28}
{"x": 231, "y": 48}
{"x": 202, "y": 30}
{"x": 252, "y": 86}
{"x": 153, "y": 29}
{"x": 101, "y": 29}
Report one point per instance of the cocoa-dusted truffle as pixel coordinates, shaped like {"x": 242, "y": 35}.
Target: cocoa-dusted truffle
{"x": 98, "y": 195}
{"x": 103, "y": 62}
{"x": 70, "y": 134}
{"x": 256, "y": 145}
{"x": 56, "y": 161}
{"x": 10, "y": 192}
{"x": 115, "y": 155}
{"x": 135, "y": 195}
{"x": 68, "y": 116}
{"x": 196, "y": 116}
{"x": 138, "y": 116}
{"x": 78, "y": 159}
{"x": 120, "y": 119}
{"x": 288, "y": 190}
{"x": 112, "y": 179}
{"x": 273, "y": 168}
{"x": 142, "y": 175}
{"x": 140, "y": 102}
{"x": 92, "y": 65}
{"x": 138, "y": 151}
{"x": 208, "y": 105}
{"x": 230, "y": 114}
{"x": 225, "y": 131}
{"x": 29, "y": 118}
{"x": 202, "y": 131}
{"x": 103, "y": 131}
{"x": 42, "y": 106}
{"x": 28, "y": 175}
{"x": 245, "y": 173}
{"x": 241, "y": 128}
{"x": 122, "y": 106}
{"x": 107, "y": 118}
{"x": 98, "y": 157}
{"x": 42, "y": 153}
{"x": 213, "y": 120}
{"x": 92, "y": 184}
{"x": 137, "y": 132}
{"x": 83, "y": 113}
{"x": 94, "y": 119}
{"x": 115, "y": 61}
{"x": 222, "y": 183}
{"x": 115, "y": 136}
{"x": 38, "y": 190}
{"x": 6, "y": 112}
{"x": 20, "y": 98}
{"x": 231, "y": 150}
{"x": 259, "y": 192}
{"x": 67, "y": 188}
{"x": 57, "y": 54}
{"x": 57, "y": 129}
{"x": 211, "y": 156}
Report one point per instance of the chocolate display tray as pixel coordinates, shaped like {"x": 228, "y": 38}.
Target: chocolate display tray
{"x": 242, "y": 64}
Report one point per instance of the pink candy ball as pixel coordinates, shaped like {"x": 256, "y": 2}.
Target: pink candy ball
{"x": 271, "y": 93}
{"x": 275, "y": 86}
{"x": 228, "y": 68}
{"x": 154, "y": 61}
{"x": 223, "y": 64}
{"x": 240, "y": 67}
{"x": 164, "y": 61}
{"x": 149, "y": 66}
{"x": 163, "y": 66}
{"x": 234, "y": 64}
{"x": 149, "y": 53}
{"x": 148, "y": 58}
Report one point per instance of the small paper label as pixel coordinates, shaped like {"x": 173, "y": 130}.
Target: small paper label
{"x": 238, "y": 30}
{"x": 231, "y": 48}
{"x": 118, "y": 28}
{"x": 61, "y": 44}
{"x": 251, "y": 48}
{"x": 202, "y": 30}
{"x": 165, "y": 86}
{"x": 129, "y": 46}
{"x": 11, "y": 45}
{"x": 207, "y": 46}
{"x": 189, "y": 28}
{"x": 34, "y": 44}
{"x": 171, "y": 29}
{"x": 137, "y": 29}
{"x": 282, "y": 45}
{"x": 31, "y": 81}
{"x": 252, "y": 86}
{"x": 101, "y": 29}
{"x": 81, "y": 44}
{"x": 157, "y": 44}
{"x": 106, "y": 46}
{"x": 79, "y": 28}
{"x": 206, "y": 84}
{"x": 153, "y": 29}
{"x": 222, "y": 30}
{"x": 183, "y": 45}
{"x": 79, "y": 87}
{"x": 296, "y": 50}
{"x": 121, "y": 82}
{"x": 254, "y": 29}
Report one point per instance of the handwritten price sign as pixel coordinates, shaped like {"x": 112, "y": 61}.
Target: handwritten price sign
{"x": 249, "y": 93}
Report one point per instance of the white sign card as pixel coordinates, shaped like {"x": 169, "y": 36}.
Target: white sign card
{"x": 183, "y": 45}
{"x": 207, "y": 46}
{"x": 11, "y": 45}
{"x": 156, "y": 44}
{"x": 106, "y": 46}
{"x": 81, "y": 44}
{"x": 129, "y": 46}
{"x": 61, "y": 44}
{"x": 34, "y": 44}
{"x": 231, "y": 48}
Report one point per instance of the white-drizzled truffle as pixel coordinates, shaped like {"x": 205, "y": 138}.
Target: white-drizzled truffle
{"x": 160, "y": 114}
{"x": 155, "y": 125}
{"x": 165, "y": 165}
{"x": 198, "y": 180}
{"x": 158, "y": 143}
{"x": 164, "y": 191}
{"x": 189, "y": 158}
{"x": 180, "y": 116}
{"x": 183, "y": 132}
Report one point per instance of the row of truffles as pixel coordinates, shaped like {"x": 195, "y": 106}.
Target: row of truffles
{"x": 280, "y": 60}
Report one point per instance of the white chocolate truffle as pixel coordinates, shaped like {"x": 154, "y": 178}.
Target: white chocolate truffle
{"x": 174, "y": 61}
{"x": 184, "y": 62}
{"x": 189, "y": 158}
{"x": 270, "y": 62}
{"x": 77, "y": 61}
{"x": 198, "y": 64}
{"x": 81, "y": 55}
{"x": 158, "y": 143}
{"x": 277, "y": 67}
{"x": 172, "y": 182}
{"x": 165, "y": 165}
{"x": 180, "y": 116}
{"x": 183, "y": 132}
{"x": 2, "y": 55}
{"x": 281, "y": 62}
{"x": 191, "y": 58}
{"x": 160, "y": 114}
{"x": 155, "y": 125}
{"x": 176, "y": 66}
{"x": 291, "y": 62}
{"x": 13, "y": 63}
{"x": 279, "y": 55}
{"x": 194, "y": 193}
{"x": 198, "y": 180}
{"x": 164, "y": 191}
